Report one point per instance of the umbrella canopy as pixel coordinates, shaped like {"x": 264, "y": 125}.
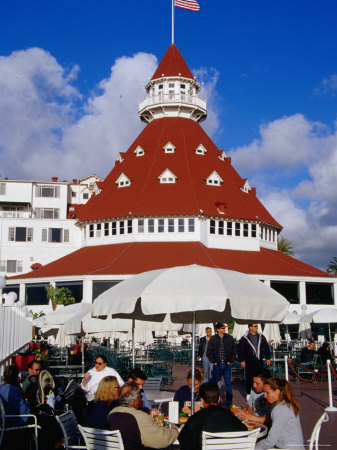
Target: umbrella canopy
{"x": 62, "y": 315}
{"x": 325, "y": 315}
{"x": 205, "y": 293}
{"x": 272, "y": 333}
{"x": 291, "y": 318}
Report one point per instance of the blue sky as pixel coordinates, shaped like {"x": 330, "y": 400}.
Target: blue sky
{"x": 72, "y": 73}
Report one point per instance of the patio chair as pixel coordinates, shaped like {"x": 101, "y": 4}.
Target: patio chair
{"x": 101, "y": 439}
{"x": 243, "y": 440}
{"x": 70, "y": 429}
{"x": 315, "y": 432}
{"x": 152, "y": 384}
{"x": 29, "y": 426}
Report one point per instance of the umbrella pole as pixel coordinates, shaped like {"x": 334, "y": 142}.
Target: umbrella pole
{"x": 133, "y": 343}
{"x": 329, "y": 334}
{"x": 82, "y": 357}
{"x": 193, "y": 363}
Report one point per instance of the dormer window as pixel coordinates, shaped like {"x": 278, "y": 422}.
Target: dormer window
{"x": 246, "y": 186}
{"x": 214, "y": 179}
{"x": 123, "y": 180}
{"x": 120, "y": 157}
{"x": 167, "y": 177}
{"x": 169, "y": 148}
{"x": 223, "y": 155}
{"x": 139, "y": 151}
{"x": 200, "y": 150}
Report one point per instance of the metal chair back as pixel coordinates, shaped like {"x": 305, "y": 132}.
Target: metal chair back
{"x": 70, "y": 429}
{"x": 101, "y": 439}
{"x": 243, "y": 440}
{"x": 315, "y": 432}
{"x": 152, "y": 384}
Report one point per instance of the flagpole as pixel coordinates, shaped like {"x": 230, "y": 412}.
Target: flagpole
{"x": 172, "y": 21}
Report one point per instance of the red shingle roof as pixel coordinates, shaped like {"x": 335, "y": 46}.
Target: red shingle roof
{"x": 133, "y": 258}
{"x": 172, "y": 64}
{"x": 146, "y": 196}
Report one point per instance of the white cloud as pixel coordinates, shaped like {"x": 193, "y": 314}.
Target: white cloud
{"x": 327, "y": 87}
{"x": 40, "y": 132}
{"x": 293, "y": 165}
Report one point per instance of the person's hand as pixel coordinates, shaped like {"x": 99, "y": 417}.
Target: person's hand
{"x": 198, "y": 358}
{"x": 228, "y": 363}
{"x": 242, "y": 415}
{"x": 86, "y": 377}
{"x": 268, "y": 362}
{"x": 186, "y": 410}
{"x": 197, "y": 408}
{"x": 243, "y": 364}
{"x": 215, "y": 364}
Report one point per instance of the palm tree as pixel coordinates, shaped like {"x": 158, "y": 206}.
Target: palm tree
{"x": 285, "y": 246}
{"x": 332, "y": 266}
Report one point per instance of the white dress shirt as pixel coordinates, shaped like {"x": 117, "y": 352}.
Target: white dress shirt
{"x": 96, "y": 377}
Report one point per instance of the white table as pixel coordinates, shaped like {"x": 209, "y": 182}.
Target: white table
{"x": 159, "y": 396}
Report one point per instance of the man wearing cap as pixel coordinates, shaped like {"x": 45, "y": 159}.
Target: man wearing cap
{"x": 221, "y": 351}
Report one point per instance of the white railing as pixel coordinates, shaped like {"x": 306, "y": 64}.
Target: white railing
{"x": 15, "y": 214}
{"x": 172, "y": 98}
{"x": 15, "y": 333}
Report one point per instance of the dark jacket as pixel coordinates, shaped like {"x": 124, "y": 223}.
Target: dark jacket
{"x": 213, "y": 419}
{"x": 99, "y": 415}
{"x": 183, "y": 395}
{"x": 202, "y": 345}
{"x": 213, "y": 353}
{"x": 247, "y": 352}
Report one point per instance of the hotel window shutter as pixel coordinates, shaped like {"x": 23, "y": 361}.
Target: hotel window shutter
{"x": 44, "y": 234}
{"x": 11, "y": 234}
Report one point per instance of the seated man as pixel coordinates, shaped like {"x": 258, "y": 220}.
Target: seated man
{"x": 138, "y": 376}
{"x": 137, "y": 428}
{"x": 30, "y": 384}
{"x": 258, "y": 409}
{"x": 210, "y": 418}
{"x": 308, "y": 353}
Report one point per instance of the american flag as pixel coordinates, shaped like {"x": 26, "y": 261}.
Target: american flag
{"x": 192, "y": 5}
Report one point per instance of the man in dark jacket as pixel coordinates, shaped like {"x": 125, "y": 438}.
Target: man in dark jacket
{"x": 210, "y": 418}
{"x": 202, "y": 354}
{"x": 221, "y": 351}
{"x": 253, "y": 347}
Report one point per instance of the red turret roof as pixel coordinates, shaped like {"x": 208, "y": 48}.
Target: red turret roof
{"x": 129, "y": 258}
{"x": 146, "y": 196}
{"x": 172, "y": 64}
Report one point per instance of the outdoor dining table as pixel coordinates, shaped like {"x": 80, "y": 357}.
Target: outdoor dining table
{"x": 159, "y": 396}
{"x": 67, "y": 370}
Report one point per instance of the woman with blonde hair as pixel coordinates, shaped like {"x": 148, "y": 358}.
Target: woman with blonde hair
{"x": 183, "y": 394}
{"x": 286, "y": 431}
{"x": 106, "y": 398}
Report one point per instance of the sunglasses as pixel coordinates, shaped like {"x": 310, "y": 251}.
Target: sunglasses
{"x": 98, "y": 363}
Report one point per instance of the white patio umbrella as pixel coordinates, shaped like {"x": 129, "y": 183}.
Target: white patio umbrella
{"x": 192, "y": 294}
{"x": 271, "y": 332}
{"x": 291, "y": 318}
{"x": 324, "y": 315}
{"x": 304, "y": 331}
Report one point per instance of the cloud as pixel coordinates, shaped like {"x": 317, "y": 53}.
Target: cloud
{"x": 328, "y": 87}
{"x": 293, "y": 164}
{"x": 46, "y": 126}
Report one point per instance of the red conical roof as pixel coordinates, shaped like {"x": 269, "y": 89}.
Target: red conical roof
{"x": 190, "y": 194}
{"x": 172, "y": 64}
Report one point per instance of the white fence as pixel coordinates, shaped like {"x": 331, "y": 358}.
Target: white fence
{"x": 15, "y": 333}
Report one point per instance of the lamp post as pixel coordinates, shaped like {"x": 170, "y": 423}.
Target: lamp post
{"x": 2, "y": 286}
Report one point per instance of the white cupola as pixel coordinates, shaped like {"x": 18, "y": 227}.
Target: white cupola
{"x": 172, "y": 91}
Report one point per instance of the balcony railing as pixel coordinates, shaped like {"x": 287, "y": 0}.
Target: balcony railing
{"x": 15, "y": 214}
{"x": 187, "y": 99}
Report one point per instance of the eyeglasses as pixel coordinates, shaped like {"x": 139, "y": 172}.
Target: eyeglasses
{"x": 254, "y": 326}
{"x": 98, "y": 363}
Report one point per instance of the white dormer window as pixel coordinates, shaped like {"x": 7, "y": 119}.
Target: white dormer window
{"x": 169, "y": 148}
{"x": 120, "y": 157}
{"x": 123, "y": 180}
{"x": 139, "y": 151}
{"x": 223, "y": 155}
{"x": 200, "y": 150}
{"x": 246, "y": 187}
{"x": 167, "y": 177}
{"x": 214, "y": 179}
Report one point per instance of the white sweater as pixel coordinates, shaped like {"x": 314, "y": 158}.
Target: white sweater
{"x": 96, "y": 377}
{"x": 286, "y": 431}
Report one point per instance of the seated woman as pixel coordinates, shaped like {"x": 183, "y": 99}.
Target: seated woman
{"x": 106, "y": 398}
{"x": 183, "y": 394}
{"x": 286, "y": 431}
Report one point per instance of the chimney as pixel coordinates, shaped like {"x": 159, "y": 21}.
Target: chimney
{"x": 74, "y": 181}
{"x": 54, "y": 179}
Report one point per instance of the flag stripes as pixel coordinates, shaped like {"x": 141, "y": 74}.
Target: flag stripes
{"x": 191, "y": 5}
